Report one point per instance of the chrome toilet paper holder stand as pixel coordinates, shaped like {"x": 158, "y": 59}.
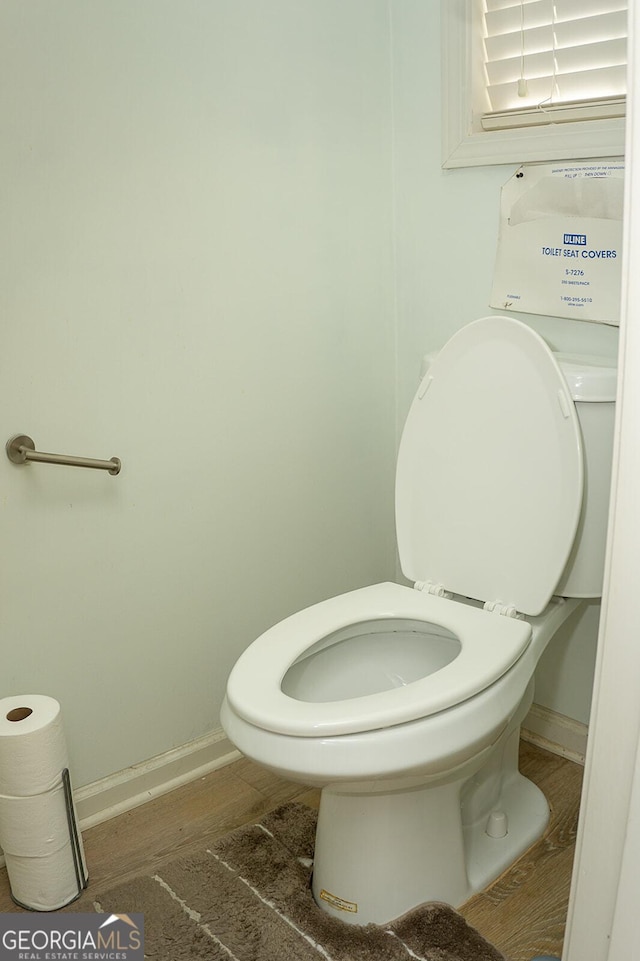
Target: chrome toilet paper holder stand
{"x": 82, "y": 877}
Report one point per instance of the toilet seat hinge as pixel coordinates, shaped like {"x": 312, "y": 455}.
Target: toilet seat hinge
{"x": 430, "y": 588}
{"x": 507, "y": 610}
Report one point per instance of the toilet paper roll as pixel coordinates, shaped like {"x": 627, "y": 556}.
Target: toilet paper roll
{"x": 33, "y": 750}
{"x": 46, "y": 883}
{"x": 38, "y": 827}
{"x": 34, "y": 826}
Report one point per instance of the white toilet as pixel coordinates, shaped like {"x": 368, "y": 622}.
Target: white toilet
{"x": 404, "y": 704}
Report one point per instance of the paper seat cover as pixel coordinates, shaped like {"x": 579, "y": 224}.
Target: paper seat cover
{"x": 490, "y": 469}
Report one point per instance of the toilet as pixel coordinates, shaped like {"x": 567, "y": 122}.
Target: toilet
{"x": 403, "y": 703}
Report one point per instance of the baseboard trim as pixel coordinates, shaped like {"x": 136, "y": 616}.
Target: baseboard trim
{"x": 555, "y": 733}
{"x": 135, "y": 785}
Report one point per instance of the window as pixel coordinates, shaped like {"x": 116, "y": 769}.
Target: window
{"x": 532, "y": 80}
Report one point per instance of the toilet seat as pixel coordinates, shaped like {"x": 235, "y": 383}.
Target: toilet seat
{"x": 489, "y": 490}
{"x": 490, "y": 645}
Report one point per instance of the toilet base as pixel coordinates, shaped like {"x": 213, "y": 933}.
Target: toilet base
{"x": 381, "y": 853}
{"x": 528, "y": 816}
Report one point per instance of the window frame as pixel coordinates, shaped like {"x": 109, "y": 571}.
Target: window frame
{"x": 462, "y": 147}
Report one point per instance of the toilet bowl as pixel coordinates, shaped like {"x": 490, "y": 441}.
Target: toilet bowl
{"x": 404, "y": 703}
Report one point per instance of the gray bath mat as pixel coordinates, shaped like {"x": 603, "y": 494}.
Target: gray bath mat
{"x": 248, "y": 898}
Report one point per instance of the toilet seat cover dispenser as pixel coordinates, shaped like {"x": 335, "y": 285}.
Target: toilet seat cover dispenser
{"x": 490, "y": 473}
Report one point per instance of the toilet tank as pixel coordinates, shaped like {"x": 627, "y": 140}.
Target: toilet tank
{"x": 592, "y": 382}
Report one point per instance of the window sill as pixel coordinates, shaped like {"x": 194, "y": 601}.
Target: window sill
{"x": 587, "y": 140}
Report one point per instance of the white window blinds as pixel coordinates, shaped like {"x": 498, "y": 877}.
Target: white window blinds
{"x": 549, "y": 61}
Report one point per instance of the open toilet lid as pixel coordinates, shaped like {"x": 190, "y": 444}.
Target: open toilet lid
{"x": 489, "y": 479}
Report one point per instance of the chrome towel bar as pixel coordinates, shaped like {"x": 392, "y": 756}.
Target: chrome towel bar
{"x": 21, "y": 449}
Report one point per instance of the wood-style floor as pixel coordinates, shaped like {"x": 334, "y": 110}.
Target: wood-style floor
{"x": 523, "y": 913}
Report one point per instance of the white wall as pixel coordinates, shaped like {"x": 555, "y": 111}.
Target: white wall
{"x": 196, "y": 277}
{"x": 197, "y": 272}
{"x": 446, "y": 233}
